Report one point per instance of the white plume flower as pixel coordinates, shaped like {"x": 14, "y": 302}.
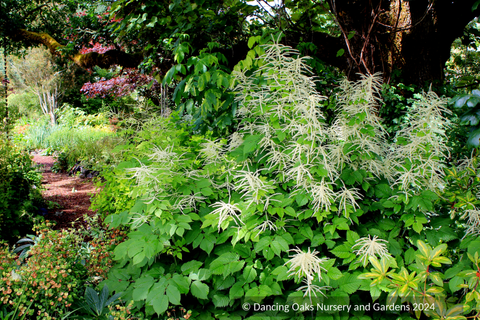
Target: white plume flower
{"x": 369, "y": 247}
{"x": 226, "y": 210}
{"x": 322, "y": 195}
{"x": 348, "y": 197}
{"x": 143, "y": 173}
{"x": 310, "y": 289}
{"x": 251, "y": 184}
{"x": 306, "y": 264}
{"x": 235, "y": 140}
{"x": 212, "y": 151}
{"x": 164, "y": 156}
{"x": 473, "y": 221}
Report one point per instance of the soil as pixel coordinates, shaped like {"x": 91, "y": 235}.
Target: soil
{"x": 69, "y": 196}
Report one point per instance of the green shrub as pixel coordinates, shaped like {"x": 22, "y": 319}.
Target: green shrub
{"x": 19, "y": 191}
{"x": 291, "y": 211}
{"x": 24, "y": 104}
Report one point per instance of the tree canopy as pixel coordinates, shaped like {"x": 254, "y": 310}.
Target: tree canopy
{"x": 357, "y": 36}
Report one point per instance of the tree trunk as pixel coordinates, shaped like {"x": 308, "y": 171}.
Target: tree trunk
{"x": 48, "y": 103}
{"x": 411, "y": 36}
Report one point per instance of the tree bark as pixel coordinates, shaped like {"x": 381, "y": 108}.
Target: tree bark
{"x": 383, "y": 36}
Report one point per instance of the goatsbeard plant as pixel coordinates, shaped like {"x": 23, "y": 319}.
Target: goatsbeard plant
{"x": 215, "y": 220}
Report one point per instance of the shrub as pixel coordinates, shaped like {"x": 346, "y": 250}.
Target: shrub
{"x": 19, "y": 191}
{"x": 290, "y": 211}
{"x": 24, "y": 104}
{"x": 56, "y": 270}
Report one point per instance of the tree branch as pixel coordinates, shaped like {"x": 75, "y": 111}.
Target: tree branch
{"x": 88, "y": 60}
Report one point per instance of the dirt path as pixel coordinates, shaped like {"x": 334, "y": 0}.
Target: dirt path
{"x": 70, "y": 192}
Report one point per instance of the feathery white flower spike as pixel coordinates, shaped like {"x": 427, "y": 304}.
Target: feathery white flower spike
{"x": 348, "y": 197}
{"x": 370, "y": 248}
{"x": 142, "y": 173}
{"x": 322, "y": 196}
{"x": 306, "y": 264}
{"x": 164, "y": 156}
{"x": 473, "y": 221}
{"x": 310, "y": 288}
{"x": 226, "y": 210}
{"x": 212, "y": 151}
{"x": 250, "y": 184}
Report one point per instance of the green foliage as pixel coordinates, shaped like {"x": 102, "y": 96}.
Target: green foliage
{"x": 96, "y": 305}
{"x": 79, "y": 137}
{"x": 291, "y": 208}
{"x": 468, "y": 105}
{"x": 23, "y": 104}
{"x": 203, "y": 92}
{"x": 19, "y": 191}
{"x": 462, "y": 67}
{"x": 48, "y": 280}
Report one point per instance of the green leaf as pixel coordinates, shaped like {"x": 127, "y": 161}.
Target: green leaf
{"x": 250, "y": 274}
{"x": 455, "y": 284}
{"x": 207, "y": 245}
{"x": 281, "y": 272}
{"x": 475, "y": 5}
{"x": 169, "y": 76}
{"x": 278, "y": 245}
{"x": 226, "y": 264}
{"x": 334, "y": 273}
{"x": 199, "y": 290}
{"x": 417, "y": 226}
{"x": 236, "y": 291}
{"x": 436, "y": 278}
{"x": 173, "y": 294}
{"x": 250, "y": 144}
{"x": 142, "y": 286}
{"x": 220, "y": 300}
{"x": 342, "y": 251}
{"x": 206, "y": 192}
{"x": 340, "y": 52}
{"x": 281, "y": 135}
{"x": 350, "y": 283}
{"x": 191, "y": 266}
{"x": 157, "y": 298}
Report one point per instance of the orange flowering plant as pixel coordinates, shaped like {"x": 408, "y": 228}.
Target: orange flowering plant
{"x": 55, "y": 271}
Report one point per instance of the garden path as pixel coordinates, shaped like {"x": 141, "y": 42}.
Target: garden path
{"x": 71, "y": 193}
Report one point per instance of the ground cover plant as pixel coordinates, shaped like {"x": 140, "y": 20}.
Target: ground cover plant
{"x": 292, "y": 211}
{"x": 45, "y": 277}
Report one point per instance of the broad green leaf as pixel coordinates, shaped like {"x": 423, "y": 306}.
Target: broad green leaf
{"x": 173, "y": 294}
{"x": 142, "y": 286}
{"x": 236, "y": 291}
{"x": 250, "y": 274}
{"x": 199, "y": 289}
{"x": 343, "y": 251}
